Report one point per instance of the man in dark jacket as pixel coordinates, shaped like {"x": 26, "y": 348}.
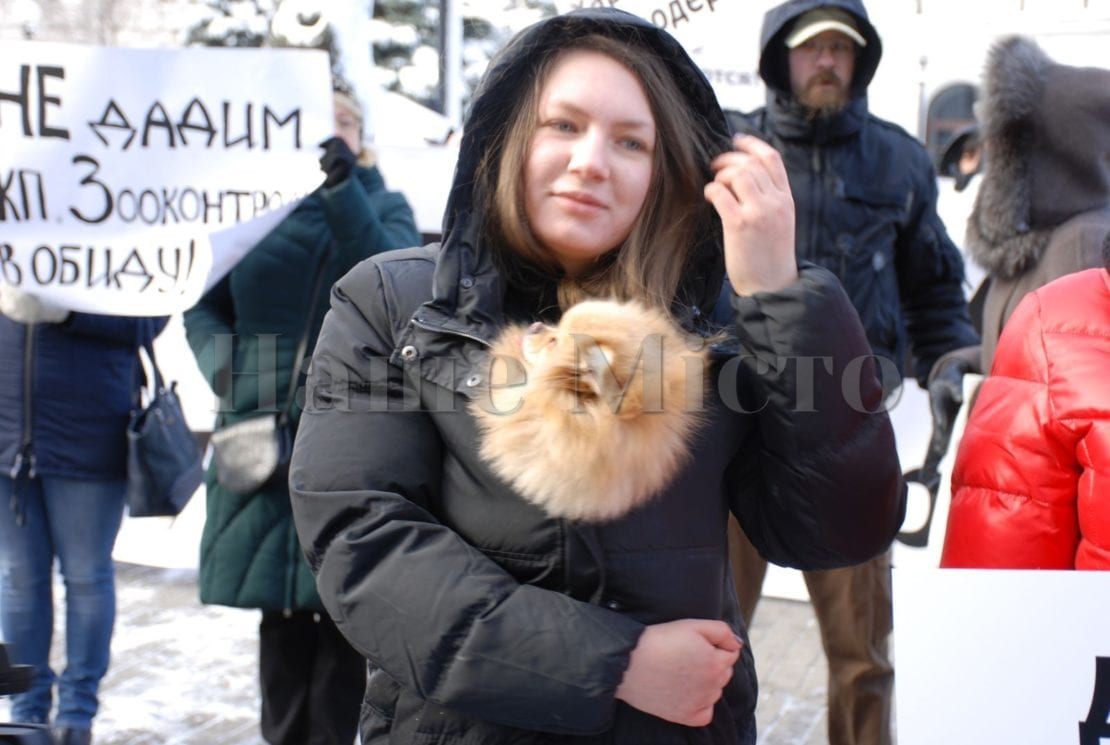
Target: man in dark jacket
{"x": 866, "y": 210}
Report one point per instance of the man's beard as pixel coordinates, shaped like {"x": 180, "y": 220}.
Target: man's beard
{"x": 823, "y": 99}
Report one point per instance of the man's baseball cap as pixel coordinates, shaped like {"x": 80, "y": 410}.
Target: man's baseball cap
{"x": 820, "y": 20}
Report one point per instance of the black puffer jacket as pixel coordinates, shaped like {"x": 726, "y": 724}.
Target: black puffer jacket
{"x": 486, "y": 621}
{"x": 866, "y": 204}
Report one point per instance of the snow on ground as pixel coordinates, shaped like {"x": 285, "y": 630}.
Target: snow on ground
{"x": 181, "y": 673}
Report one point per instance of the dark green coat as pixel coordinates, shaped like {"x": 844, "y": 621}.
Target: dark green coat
{"x": 249, "y": 555}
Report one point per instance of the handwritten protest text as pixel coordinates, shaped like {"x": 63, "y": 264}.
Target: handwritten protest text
{"x": 165, "y": 268}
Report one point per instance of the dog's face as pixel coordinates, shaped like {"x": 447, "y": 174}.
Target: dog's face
{"x": 614, "y": 389}
{"x": 601, "y": 352}
{"x": 575, "y": 361}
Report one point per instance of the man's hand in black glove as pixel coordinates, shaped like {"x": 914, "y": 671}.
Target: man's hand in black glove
{"x": 946, "y": 394}
{"x": 337, "y": 161}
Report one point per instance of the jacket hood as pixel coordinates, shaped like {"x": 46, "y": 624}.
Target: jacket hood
{"x": 466, "y": 275}
{"x": 1048, "y": 159}
{"x": 774, "y": 65}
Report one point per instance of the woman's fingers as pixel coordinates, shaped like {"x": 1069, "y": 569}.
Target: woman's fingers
{"x": 754, "y": 166}
{"x": 768, "y": 158}
{"x": 751, "y": 194}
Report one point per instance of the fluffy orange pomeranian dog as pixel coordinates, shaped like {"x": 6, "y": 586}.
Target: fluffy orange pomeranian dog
{"x": 593, "y": 417}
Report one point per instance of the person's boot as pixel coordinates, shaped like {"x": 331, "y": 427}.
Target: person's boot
{"x": 71, "y": 736}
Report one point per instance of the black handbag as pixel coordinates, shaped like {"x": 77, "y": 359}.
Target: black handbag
{"x": 163, "y": 457}
{"x": 255, "y": 451}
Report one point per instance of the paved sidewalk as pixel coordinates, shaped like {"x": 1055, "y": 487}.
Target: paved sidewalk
{"x": 185, "y": 674}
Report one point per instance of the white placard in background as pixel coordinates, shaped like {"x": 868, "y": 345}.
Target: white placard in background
{"x": 993, "y": 656}
{"x": 721, "y": 36}
{"x": 116, "y": 164}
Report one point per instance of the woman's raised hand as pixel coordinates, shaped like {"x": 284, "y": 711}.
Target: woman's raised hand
{"x": 679, "y": 669}
{"x": 751, "y": 193}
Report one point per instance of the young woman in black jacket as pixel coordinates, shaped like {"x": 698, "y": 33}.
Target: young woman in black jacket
{"x": 595, "y": 163}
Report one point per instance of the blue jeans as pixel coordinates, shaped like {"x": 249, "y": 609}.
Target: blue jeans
{"x": 75, "y": 521}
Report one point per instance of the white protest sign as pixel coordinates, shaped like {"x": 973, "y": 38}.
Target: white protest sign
{"x": 721, "y": 36}
{"x": 116, "y": 165}
{"x": 993, "y": 656}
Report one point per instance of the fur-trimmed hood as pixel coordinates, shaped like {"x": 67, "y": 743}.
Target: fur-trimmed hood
{"x": 1047, "y": 130}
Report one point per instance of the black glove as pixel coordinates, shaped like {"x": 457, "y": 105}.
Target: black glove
{"x": 946, "y": 395}
{"x": 337, "y": 161}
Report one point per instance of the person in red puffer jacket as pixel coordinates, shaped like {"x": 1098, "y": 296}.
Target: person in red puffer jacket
{"x": 1030, "y": 485}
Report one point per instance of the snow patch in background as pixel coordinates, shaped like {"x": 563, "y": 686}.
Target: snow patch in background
{"x": 212, "y": 651}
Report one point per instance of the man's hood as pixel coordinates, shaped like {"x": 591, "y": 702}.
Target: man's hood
{"x": 1047, "y": 130}
{"x": 465, "y": 269}
{"x": 774, "y": 65}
